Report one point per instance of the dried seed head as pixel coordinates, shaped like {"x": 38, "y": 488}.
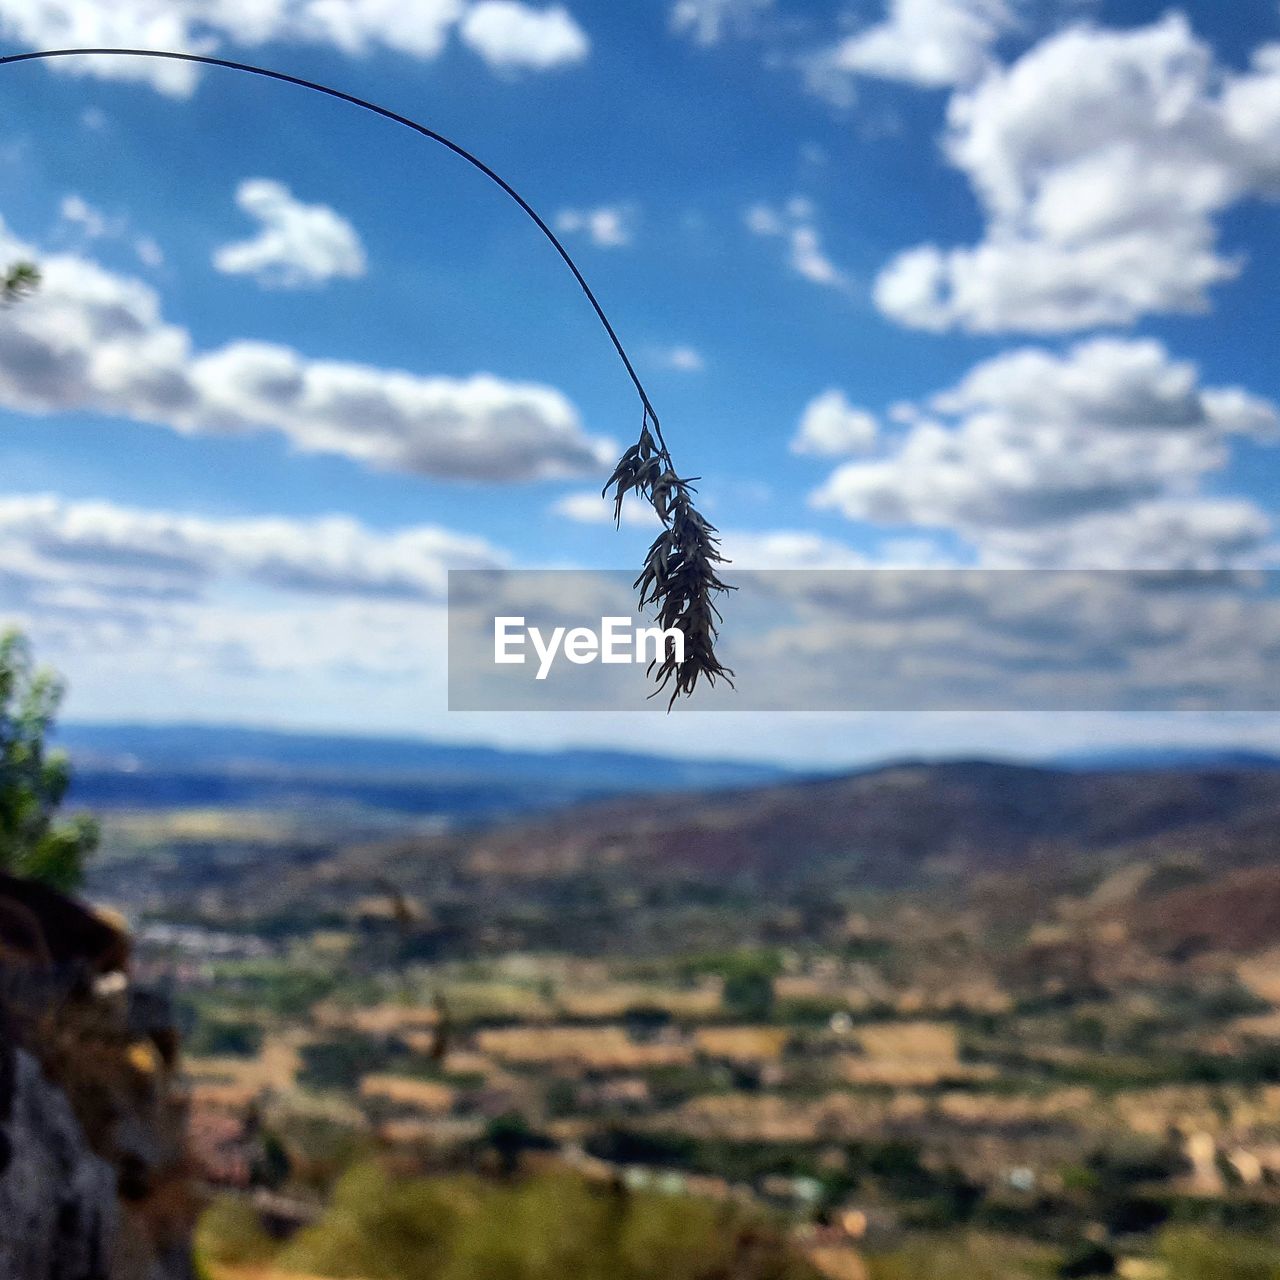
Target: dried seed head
{"x": 680, "y": 578}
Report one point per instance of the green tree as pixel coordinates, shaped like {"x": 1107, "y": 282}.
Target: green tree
{"x": 19, "y": 280}
{"x": 34, "y": 779}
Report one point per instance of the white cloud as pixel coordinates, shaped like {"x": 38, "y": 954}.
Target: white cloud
{"x": 357, "y": 27}
{"x": 298, "y": 245}
{"x": 100, "y": 550}
{"x": 1102, "y": 159}
{"x": 608, "y": 226}
{"x": 591, "y": 508}
{"x": 92, "y": 223}
{"x": 764, "y": 220}
{"x": 789, "y": 549}
{"x": 149, "y": 252}
{"x": 507, "y": 34}
{"x": 513, "y": 36}
{"x": 801, "y": 549}
{"x": 91, "y": 340}
{"x": 130, "y": 24}
{"x": 218, "y": 610}
{"x": 1032, "y": 450}
{"x": 1165, "y": 533}
{"x": 831, "y": 426}
{"x": 684, "y": 359}
{"x": 931, "y": 43}
{"x": 795, "y": 224}
{"x": 1107, "y": 384}
{"x": 1030, "y": 285}
{"x": 707, "y": 22}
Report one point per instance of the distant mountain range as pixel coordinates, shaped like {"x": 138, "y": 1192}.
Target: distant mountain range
{"x": 905, "y": 823}
{"x": 1187, "y": 857}
{"x": 1168, "y": 758}
{"x": 141, "y": 766}
{"x": 132, "y": 766}
{"x": 542, "y": 829}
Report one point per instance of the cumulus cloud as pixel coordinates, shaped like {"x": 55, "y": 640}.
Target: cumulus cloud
{"x": 795, "y": 224}
{"x": 591, "y": 508}
{"x": 931, "y": 43}
{"x": 1165, "y": 533}
{"x": 507, "y": 34}
{"x": 511, "y": 36}
{"x": 1102, "y": 159}
{"x": 789, "y": 549}
{"x": 160, "y": 555}
{"x": 356, "y": 27}
{"x": 988, "y": 639}
{"x": 707, "y": 22}
{"x": 1028, "y": 453}
{"x": 297, "y": 245}
{"x": 169, "y": 606}
{"x": 92, "y": 340}
{"x": 822, "y": 629}
{"x": 608, "y": 226}
{"x": 831, "y": 426}
{"x": 223, "y": 608}
{"x": 1030, "y": 285}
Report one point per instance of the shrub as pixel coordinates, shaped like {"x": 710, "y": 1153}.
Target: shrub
{"x": 33, "y": 779}
{"x": 1204, "y": 1255}
{"x": 546, "y": 1227}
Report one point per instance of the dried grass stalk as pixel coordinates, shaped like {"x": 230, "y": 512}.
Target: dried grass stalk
{"x": 680, "y": 578}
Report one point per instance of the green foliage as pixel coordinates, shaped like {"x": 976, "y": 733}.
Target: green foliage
{"x": 748, "y": 980}
{"x": 318, "y": 1149}
{"x": 272, "y": 1167}
{"x": 230, "y": 1233}
{"x": 540, "y": 1228}
{"x": 726, "y": 964}
{"x": 33, "y": 779}
{"x": 970, "y": 1258}
{"x": 339, "y": 1062}
{"x": 1204, "y": 1255}
{"x": 749, "y": 996}
{"x": 279, "y": 987}
{"x": 509, "y": 1136}
{"x": 18, "y": 281}
{"x": 224, "y": 1038}
{"x": 1088, "y": 1260}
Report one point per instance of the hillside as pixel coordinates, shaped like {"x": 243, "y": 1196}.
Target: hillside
{"x": 904, "y": 823}
{"x": 655, "y": 872}
{"x": 934, "y": 1011}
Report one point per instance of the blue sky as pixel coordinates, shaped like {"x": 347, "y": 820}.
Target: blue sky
{"x": 290, "y": 363}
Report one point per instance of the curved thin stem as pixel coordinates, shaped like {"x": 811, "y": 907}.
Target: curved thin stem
{"x": 396, "y": 118}
{"x": 680, "y": 577}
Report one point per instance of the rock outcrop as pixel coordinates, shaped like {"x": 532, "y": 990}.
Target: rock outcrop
{"x": 94, "y": 1180}
{"x": 58, "y": 1202}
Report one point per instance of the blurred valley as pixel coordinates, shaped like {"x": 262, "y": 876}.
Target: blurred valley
{"x": 948, "y": 1019}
